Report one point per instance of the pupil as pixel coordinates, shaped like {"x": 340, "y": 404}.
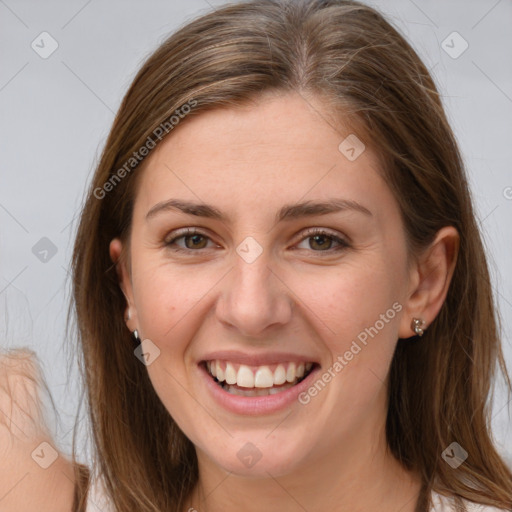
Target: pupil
{"x": 196, "y": 240}
{"x": 325, "y": 239}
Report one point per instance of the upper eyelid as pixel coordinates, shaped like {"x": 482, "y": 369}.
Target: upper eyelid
{"x": 318, "y": 230}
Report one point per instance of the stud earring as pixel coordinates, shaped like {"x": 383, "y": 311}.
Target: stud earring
{"x": 135, "y": 335}
{"x": 417, "y": 326}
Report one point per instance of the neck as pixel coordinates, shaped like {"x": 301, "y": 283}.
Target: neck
{"x": 358, "y": 476}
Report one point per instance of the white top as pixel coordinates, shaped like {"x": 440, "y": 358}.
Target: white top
{"x": 441, "y": 503}
{"x": 97, "y": 499}
{"x": 97, "y": 502}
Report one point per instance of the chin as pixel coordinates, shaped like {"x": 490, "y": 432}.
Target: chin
{"x": 260, "y": 457}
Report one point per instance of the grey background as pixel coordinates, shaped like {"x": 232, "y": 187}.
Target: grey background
{"x": 56, "y": 113}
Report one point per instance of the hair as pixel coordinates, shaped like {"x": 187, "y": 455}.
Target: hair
{"x": 363, "y": 71}
{"x": 24, "y": 391}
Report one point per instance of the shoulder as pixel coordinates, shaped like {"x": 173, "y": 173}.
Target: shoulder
{"x": 442, "y": 503}
{"x": 34, "y": 475}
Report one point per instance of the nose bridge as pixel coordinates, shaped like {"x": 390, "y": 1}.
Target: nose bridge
{"x": 253, "y": 298}
{"x": 252, "y": 279}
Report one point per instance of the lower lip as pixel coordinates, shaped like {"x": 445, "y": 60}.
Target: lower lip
{"x": 256, "y": 405}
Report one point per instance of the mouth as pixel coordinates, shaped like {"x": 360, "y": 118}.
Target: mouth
{"x": 252, "y": 381}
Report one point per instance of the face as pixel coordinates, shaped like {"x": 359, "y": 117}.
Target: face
{"x": 263, "y": 290}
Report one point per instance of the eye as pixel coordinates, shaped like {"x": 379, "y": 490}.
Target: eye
{"x": 321, "y": 240}
{"x": 192, "y": 238}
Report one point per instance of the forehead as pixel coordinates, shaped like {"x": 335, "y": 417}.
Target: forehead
{"x": 277, "y": 149}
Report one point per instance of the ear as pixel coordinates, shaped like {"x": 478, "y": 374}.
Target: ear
{"x": 125, "y": 283}
{"x": 430, "y": 279}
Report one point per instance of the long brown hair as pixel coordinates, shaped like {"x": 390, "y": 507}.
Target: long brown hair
{"x": 347, "y": 54}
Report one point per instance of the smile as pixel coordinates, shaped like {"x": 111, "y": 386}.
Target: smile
{"x": 251, "y": 381}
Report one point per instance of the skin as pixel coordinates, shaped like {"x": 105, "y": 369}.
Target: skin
{"x": 25, "y": 485}
{"x": 298, "y": 296}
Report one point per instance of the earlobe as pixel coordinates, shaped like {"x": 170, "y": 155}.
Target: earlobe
{"x": 432, "y": 277}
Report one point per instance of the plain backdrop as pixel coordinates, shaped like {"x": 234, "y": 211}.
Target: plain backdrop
{"x": 56, "y": 111}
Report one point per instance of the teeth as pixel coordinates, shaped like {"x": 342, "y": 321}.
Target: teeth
{"x": 255, "y": 391}
{"x": 261, "y": 377}
{"x": 245, "y": 377}
{"x": 290, "y": 373}
{"x": 264, "y": 378}
{"x": 230, "y": 374}
{"x": 220, "y": 372}
{"x": 279, "y": 375}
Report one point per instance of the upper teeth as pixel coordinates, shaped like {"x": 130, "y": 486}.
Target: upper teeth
{"x": 257, "y": 376}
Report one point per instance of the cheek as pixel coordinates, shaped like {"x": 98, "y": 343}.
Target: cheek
{"x": 168, "y": 295}
{"x": 358, "y": 305}
{"x": 169, "y": 300}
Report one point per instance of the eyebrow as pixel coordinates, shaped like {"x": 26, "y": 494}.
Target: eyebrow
{"x": 287, "y": 212}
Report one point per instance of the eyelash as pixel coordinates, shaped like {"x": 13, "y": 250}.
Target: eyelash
{"x": 343, "y": 244}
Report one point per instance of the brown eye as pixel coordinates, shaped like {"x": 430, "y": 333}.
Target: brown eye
{"x": 322, "y": 241}
{"x": 193, "y": 240}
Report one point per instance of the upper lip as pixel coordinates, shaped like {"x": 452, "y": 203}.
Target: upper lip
{"x": 236, "y": 356}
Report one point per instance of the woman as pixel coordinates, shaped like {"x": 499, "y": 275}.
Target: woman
{"x": 284, "y": 304}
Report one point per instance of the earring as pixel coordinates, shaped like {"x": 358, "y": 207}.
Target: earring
{"x": 417, "y": 326}
{"x": 135, "y": 335}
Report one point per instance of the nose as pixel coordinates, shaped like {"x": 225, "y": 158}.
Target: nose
{"x": 254, "y": 299}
